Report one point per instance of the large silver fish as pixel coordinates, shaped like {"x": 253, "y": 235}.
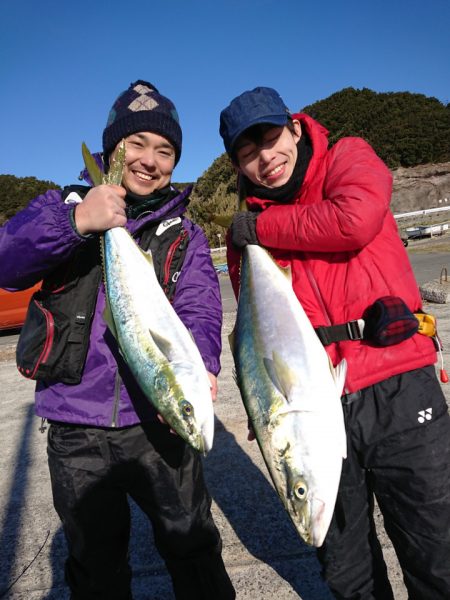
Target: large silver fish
{"x": 291, "y": 393}
{"x": 154, "y": 342}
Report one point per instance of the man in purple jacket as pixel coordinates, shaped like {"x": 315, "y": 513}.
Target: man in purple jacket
{"x": 105, "y": 441}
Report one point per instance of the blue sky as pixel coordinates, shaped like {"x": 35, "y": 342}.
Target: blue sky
{"x": 64, "y": 62}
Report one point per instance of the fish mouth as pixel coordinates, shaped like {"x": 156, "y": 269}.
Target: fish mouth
{"x": 318, "y": 526}
{"x": 199, "y": 437}
{"x": 207, "y": 436}
{"x": 309, "y": 521}
{"x": 201, "y": 443}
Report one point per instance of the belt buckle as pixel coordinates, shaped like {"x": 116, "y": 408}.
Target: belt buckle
{"x": 355, "y": 329}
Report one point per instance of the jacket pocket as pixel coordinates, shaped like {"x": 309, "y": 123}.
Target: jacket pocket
{"x": 54, "y": 339}
{"x": 45, "y": 351}
{"x": 34, "y": 352}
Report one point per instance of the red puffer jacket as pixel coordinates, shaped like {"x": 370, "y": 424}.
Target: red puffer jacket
{"x": 341, "y": 241}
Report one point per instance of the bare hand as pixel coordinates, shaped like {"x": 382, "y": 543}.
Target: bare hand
{"x": 213, "y": 382}
{"x": 164, "y": 422}
{"x": 102, "y": 208}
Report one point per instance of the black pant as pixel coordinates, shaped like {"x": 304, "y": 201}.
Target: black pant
{"x": 398, "y": 434}
{"x": 92, "y": 471}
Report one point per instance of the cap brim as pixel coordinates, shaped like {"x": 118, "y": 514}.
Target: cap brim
{"x": 277, "y": 120}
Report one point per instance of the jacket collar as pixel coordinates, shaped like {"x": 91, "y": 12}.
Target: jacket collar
{"x": 176, "y": 207}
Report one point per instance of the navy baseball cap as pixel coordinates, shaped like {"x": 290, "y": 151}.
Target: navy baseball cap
{"x": 261, "y": 105}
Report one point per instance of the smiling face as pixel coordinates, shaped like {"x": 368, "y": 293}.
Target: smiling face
{"x": 267, "y": 154}
{"x": 149, "y": 163}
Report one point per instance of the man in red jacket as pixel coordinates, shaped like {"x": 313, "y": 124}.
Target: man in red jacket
{"x": 325, "y": 214}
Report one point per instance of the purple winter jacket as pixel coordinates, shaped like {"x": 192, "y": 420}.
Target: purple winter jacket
{"x": 39, "y": 238}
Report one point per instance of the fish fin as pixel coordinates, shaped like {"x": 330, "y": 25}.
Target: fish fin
{"x": 115, "y": 172}
{"x": 163, "y": 344}
{"x": 272, "y": 373}
{"x": 339, "y": 374}
{"x": 231, "y": 340}
{"x": 287, "y": 271}
{"x": 148, "y": 256}
{"x": 282, "y": 376}
{"x": 222, "y": 220}
{"x": 109, "y": 319}
{"x": 92, "y": 167}
{"x": 242, "y": 193}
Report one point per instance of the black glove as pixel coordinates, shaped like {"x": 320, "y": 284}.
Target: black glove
{"x": 243, "y": 229}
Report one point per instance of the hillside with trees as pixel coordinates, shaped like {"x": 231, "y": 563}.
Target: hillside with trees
{"x": 16, "y": 192}
{"x": 404, "y": 129}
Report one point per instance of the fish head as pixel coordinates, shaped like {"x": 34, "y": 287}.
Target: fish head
{"x": 195, "y": 425}
{"x": 297, "y": 496}
{"x": 193, "y": 412}
{"x": 308, "y": 507}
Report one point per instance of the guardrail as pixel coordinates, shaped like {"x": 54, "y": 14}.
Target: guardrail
{"x": 426, "y": 211}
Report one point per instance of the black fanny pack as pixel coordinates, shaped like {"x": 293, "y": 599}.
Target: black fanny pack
{"x": 386, "y": 322}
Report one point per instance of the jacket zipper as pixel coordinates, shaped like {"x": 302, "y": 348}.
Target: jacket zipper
{"x": 49, "y": 337}
{"x": 318, "y": 295}
{"x": 169, "y": 258}
{"x": 117, "y": 383}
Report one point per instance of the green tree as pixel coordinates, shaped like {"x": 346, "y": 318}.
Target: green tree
{"x": 16, "y": 192}
{"x": 404, "y": 129}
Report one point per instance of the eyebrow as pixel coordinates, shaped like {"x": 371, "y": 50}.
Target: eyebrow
{"x": 242, "y": 143}
{"x": 163, "y": 144}
{"x": 166, "y": 145}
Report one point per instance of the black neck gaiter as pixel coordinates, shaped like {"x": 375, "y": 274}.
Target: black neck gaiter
{"x": 136, "y": 205}
{"x": 287, "y": 192}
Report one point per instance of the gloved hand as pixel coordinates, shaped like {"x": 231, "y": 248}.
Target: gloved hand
{"x": 243, "y": 229}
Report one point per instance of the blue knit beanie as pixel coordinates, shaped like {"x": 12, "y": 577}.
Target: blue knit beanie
{"x": 142, "y": 108}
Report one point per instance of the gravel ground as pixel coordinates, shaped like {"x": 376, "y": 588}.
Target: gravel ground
{"x": 264, "y": 556}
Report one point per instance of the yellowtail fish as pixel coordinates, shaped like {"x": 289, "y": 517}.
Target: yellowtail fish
{"x": 154, "y": 342}
{"x": 291, "y": 393}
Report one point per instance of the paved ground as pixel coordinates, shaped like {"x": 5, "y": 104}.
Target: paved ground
{"x": 264, "y": 556}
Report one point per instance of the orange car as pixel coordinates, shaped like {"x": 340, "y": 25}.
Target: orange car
{"x": 13, "y": 307}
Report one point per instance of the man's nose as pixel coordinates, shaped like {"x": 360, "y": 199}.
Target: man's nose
{"x": 265, "y": 154}
{"x": 147, "y": 158}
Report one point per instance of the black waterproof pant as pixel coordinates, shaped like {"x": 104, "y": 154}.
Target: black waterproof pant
{"x": 92, "y": 472}
{"x": 398, "y": 434}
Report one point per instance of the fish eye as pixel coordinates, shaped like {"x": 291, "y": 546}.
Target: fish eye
{"x": 187, "y": 408}
{"x": 300, "y": 490}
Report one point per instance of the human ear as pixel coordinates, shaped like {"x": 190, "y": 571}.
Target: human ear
{"x": 297, "y": 133}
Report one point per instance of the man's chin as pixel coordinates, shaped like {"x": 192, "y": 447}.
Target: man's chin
{"x": 143, "y": 190}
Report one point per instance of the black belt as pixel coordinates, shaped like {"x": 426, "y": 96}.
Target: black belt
{"x": 353, "y": 330}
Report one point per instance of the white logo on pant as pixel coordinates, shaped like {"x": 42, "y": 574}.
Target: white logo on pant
{"x": 425, "y": 415}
